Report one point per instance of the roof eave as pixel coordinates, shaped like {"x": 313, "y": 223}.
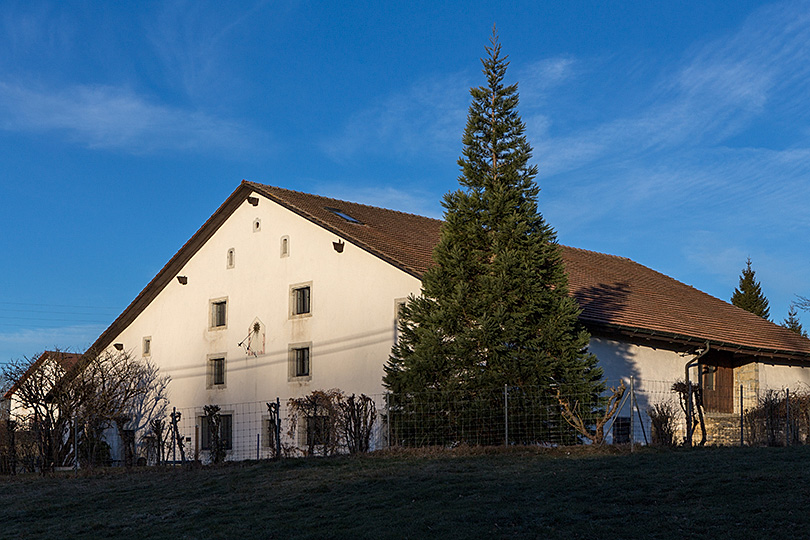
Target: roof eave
{"x": 696, "y": 341}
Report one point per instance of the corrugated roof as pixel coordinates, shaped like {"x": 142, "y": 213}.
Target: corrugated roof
{"x": 615, "y": 293}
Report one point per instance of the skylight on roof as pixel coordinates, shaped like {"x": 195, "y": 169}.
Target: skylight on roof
{"x": 344, "y": 215}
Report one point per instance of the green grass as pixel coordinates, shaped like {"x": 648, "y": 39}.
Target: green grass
{"x": 470, "y": 493}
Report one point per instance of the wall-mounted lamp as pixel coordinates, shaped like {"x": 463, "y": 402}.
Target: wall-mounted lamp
{"x": 182, "y": 279}
{"x": 119, "y": 346}
{"x": 338, "y": 246}
{"x": 253, "y": 201}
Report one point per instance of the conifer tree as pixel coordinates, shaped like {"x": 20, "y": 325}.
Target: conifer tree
{"x": 748, "y": 295}
{"x": 792, "y": 321}
{"x": 495, "y": 308}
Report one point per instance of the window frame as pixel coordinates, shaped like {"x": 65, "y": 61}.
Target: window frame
{"x": 294, "y": 300}
{"x": 399, "y": 303}
{"x": 211, "y": 371}
{"x": 205, "y": 435}
{"x": 212, "y": 315}
{"x": 292, "y": 361}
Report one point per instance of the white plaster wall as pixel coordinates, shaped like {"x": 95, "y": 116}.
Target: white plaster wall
{"x": 351, "y": 328}
{"x": 776, "y": 377}
{"x": 648, "y": 365}
{"x": 653, "y": 371}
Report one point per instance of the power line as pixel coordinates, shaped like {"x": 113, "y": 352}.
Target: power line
{"x": 102, "y": 308}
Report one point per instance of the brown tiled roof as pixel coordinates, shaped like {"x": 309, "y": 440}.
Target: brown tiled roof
{"x": 64, "y": 359}
{"x": 615, "y": 293}
{"x": 404, "y": 240}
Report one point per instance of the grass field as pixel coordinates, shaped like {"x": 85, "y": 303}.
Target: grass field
{"x": 467, "y": 493}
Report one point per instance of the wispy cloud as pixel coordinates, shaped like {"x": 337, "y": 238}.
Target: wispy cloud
{"x": 427, "y": 118}
{"x": 27, "y": 342}
{"x": 409, "y": 199}
{"x": 692, "y": 138}
{"x": 117, "y": 118}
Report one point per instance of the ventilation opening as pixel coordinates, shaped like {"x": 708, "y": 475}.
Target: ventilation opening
{"x": 257, "y": 225}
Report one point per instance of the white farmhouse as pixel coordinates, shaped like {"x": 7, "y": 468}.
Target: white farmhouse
{"x": 280, "y": 293}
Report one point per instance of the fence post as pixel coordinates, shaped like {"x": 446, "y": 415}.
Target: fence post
{"x": 787, "y": 416}
{"x": 387, "y": 420}
{"x": 506, "y": 414}
{"x": 632, "y": 407}
{"x": 277, "y": 428}
{"x": 742, "y": 416}
{"x": 75, "y": 446}
{"x": 258, "y": 439}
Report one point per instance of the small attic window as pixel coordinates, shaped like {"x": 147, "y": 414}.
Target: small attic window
{"x": 344, "y": 215}
{"x": 257, "y": 225}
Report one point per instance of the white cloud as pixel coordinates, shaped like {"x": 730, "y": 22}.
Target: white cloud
{"x": 116, "y": 118}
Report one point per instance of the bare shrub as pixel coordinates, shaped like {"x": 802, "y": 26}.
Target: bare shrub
{"x": 218, "y": 444}
{"x": 356, "y": 422}
{"x": 318, "y": 415}
{"x": 690, "y": 398}
{"x": 663, "y": 419}
{"x": 773, "y": 423}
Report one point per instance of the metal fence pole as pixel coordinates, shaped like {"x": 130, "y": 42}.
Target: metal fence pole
{"x": 75, "y": 446}
{"x": 787, "y": 416}
{"x": 387, "y": 420}
{"x": 174, "y": 435}
{"x": 632, "y": 406}
{"x": 742, "y": 416}
{"x": 258, "y": 440}
{"x": 506, "y": 414}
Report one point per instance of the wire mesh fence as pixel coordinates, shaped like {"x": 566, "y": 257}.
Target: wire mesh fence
{"x": 630, "y": 411}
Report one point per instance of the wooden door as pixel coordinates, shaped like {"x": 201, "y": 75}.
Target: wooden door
{"x": 717, "y": 380}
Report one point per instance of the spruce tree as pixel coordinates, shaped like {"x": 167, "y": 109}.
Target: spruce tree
{"x": 748, "y": 295}
{"x": 792, "y": 321}
{"x": 495, "y": 308}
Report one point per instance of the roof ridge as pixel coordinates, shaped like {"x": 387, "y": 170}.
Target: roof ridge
{"x": 371, "y": 206}
{"x": 598, "y": 253}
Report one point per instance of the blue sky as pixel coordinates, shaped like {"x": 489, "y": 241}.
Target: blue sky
{"x": 673, "y": 133}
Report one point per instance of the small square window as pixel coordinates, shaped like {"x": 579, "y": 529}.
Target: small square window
{"x": 216, "y": 372}
{"x": 219, "y": 313}
{"x": 300, "y": 364}
{"x": 225, "y": 431}
{"x": 147, "y": 346}
{"x": 301, "y": 300}
{"x": 621, "y": 430}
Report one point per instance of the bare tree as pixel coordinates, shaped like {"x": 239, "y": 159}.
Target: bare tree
{"x": 116, "y": 389}
{"x": 38, "y": 410}
{"x": 573, "y": 415}
{"x": 55, "y": 389}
